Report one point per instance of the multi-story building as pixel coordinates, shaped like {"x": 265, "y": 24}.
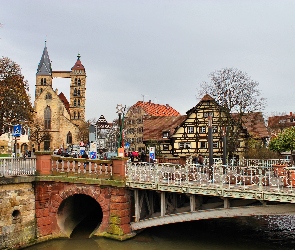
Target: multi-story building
{"x": 133, "y": 121}
{"x": 60, "y": 117}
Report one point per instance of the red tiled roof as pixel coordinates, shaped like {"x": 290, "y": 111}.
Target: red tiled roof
{"x": 153, "y": 109}
{"x": 65, "y": 101}
{"x": 255, "y": 125}
{"x": 207, "y": 98}
{"x": 281, "y": 121}
{"x": 154, "y": 127}
{"x": 78, "y": 65}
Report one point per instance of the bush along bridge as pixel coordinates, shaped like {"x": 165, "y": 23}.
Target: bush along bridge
{"x": 116, "y": 198}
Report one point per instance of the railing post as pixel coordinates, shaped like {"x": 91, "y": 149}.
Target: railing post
{"x": 43, "y": 163}
{"x": 119, "y": 164}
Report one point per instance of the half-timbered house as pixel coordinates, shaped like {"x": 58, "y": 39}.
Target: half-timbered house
{"x": 191, "y": 137}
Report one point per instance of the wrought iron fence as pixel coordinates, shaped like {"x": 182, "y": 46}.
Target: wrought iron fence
{"x": 259, "y": 177}
{"x": 17, "y": 166}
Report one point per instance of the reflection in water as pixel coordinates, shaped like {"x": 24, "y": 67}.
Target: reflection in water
{"x": 244, "y": 233}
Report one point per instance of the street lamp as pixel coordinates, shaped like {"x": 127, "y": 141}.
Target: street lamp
{"x": 121, "y": 112}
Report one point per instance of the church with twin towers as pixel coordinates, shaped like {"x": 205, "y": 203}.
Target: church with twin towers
{"x": 61, "y": 117}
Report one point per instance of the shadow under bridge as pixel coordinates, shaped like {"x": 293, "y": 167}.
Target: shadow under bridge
{"x": 79, "y": 216}
{"x": 155, "y": 208}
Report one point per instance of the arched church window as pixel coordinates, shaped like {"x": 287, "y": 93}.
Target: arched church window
{"x": 41, "y": 90}
{"x": 43, "y": 81}
{"x": 69, "y": 138}
{"x": 48, "y": 96}
{"x": 78, "y": 115}
{"x": 75, "y": 103}
{"x": 47, "y": 118}
{"x": 79, "y": 104}
{"x": 75, "y": 92}
{"x": 78, "y": 92}
{"x": 74, "y": 115}
{"x": 75, "y": 81}
{"x": 79, "y": 82}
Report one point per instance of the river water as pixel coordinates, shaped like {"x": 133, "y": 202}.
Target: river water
{"x": 243, "y": 233}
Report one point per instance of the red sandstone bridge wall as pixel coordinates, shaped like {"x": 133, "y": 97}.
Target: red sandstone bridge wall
{"x": 114, "y": 202}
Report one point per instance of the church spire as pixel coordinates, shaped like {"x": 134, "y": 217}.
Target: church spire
{"x": 44, "y": 67}
{"x": 78, "y": 65}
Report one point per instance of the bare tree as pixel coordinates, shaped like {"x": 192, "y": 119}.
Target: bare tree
{"x": 234, "y": 90}
{"x": 38, "y": 132}
{"x": 238, "y": 94}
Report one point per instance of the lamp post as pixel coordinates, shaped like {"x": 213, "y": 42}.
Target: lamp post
{"x": 224, "y": 153}
{"x": 121, "y": 112}
{"x": 210, "y": 142}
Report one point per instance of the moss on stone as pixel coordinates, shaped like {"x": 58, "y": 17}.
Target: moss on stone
{"x": 115, "y": 229}
{"x": 115, "y": 220}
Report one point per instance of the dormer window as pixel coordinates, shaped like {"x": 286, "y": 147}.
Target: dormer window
{"x": 165, "y": 134}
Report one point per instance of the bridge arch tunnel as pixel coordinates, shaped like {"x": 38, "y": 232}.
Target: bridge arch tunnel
{"x": 79, "y": 215}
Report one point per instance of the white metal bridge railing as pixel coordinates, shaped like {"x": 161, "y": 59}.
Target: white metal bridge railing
{"x": 257, "y": 177}
{"x": 17, "y": 166}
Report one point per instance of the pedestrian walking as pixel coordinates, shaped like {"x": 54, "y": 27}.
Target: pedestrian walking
{"x": 85, "y": 156}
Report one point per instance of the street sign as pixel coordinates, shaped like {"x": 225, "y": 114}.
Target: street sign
{"x": 152, "y": 153}
{"x": 17, "y": 130}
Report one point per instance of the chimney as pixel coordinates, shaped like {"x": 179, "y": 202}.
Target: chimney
{"x": 291, "y": 114}
{"x": 167, "y": 106}
{"x": 149, "y": 101}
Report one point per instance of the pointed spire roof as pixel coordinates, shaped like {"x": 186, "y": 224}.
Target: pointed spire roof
{"x": 78, "y": 64}
{"x": 44, "y": 67}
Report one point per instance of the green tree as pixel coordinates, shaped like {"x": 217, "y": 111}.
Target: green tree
{"x": 15, "y": 105}
{"x": 238, "y": 94}
{"x": 284, "y": 141}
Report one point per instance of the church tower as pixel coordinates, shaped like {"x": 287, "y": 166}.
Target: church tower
{"x": 44, "y": 73}
{"x": 78, "y": 92}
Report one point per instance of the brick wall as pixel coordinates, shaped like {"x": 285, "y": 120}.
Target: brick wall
{"x": 114, "y": 202}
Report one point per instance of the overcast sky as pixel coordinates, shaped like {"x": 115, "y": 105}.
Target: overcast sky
{"x": 156, "y": 50}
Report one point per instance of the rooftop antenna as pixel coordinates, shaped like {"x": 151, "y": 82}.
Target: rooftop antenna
{"x": 143, "y": 97}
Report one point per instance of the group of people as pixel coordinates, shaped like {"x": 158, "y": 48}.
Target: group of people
{"x": 198, "y": 159}
{"x": 136, "y": 156}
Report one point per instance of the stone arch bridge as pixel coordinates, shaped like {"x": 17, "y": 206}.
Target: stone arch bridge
{"x": 116, "y": 198}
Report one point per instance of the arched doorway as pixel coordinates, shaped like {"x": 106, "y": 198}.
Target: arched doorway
{"x": 79, "y": 216}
